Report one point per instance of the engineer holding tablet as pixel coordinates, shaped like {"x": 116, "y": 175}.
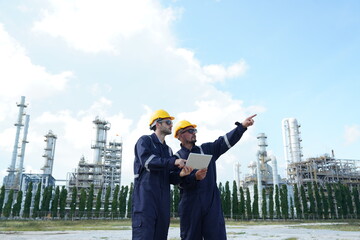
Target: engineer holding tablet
{"x": 201, "y": 215}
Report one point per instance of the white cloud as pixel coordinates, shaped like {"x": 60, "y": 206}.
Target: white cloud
{"x": 352, "y": 134}
{"x": 94, "y": 26}
{"x": 21, "y": 75}
{"x": 218, "y": 73}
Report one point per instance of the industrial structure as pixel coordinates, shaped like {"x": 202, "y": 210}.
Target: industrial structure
{"x": 105, "y": 169}
{"x": 15, "y": 170}
{"x": 322, "y": 170}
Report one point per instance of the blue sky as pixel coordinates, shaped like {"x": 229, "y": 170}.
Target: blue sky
{"x": 211, "y": 62}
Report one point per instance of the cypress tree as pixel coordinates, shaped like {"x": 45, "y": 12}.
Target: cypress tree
{"x": 255, "y": 208}
{"x": 284, "y": 202}
{"x": 222, "y": 196}
{"x": 227, "y": 206}
{"x": 325, "y": 203}
{"x": 242, "y": 204}
{"x": 172, "y": 210}
{"x": 62, "y": 203}
{"x": 331, "y": 201}
{"x": 304, "y": 202}
{"x": 319, "y": 205}
{"x": 355, "y": 194}
{"x": 8, "y": 204}
{"x": 292, "y": 213}
{"x": 106, "y": 201}
{"x": 45, "y": 204}
{"x": 271, "y": 203}
{"x": 114, "y": 203}
{"x": 2, "y": 197}
{"x": 129, "y": 202}
{"x": 263, "y": 206}
{"x": 176, "y": 199}
{"x": 36, "y": 208}
{"x": 235, "y": 202}
{"x": 17, "y": 206}
{"x": 248, "y": 204}
{"x": 339, "y": 201}
{"x": 27, "y": 203}
{"x": 90, "y": 201}
{"x": 82, "y": 202}
{"x": 125, "y": 196}
{"x": 73, "y": 201}
{"x": 297, "y": 202}
{"x": 55, "y": 203}
{"x": 98, "y": 203}
{"x": 311, "y": 200}
{"x": 349, "y": 202}
{"x": 277, "y": 202}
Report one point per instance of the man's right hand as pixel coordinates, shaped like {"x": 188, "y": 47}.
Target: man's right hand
{"x": 180, "y": 162}
{"x": 201, "y": 174}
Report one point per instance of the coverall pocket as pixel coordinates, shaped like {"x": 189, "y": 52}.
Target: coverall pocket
{"x": 136, "y": 220}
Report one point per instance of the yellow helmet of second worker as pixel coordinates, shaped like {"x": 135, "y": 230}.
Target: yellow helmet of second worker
{"x": 159, "y": 114}
{"x": 181, "y": 125}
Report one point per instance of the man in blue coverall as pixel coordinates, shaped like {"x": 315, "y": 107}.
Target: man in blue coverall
{"x": 200, "y": 211}
{"x": 151, "y": 196}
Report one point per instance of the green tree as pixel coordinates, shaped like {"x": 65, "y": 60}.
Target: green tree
{"x": 36, "y": 207}
{"x": 311, "y": 200}
{"x": 176, "y": 200}
{"x": 255, "y": 207}
{"x": 2, "y": 197}
{"x": 90, "y": 201}
{"x": 235, "y": 201}
{"x": 271, "y": 203}
{"x": 115, "y": 202}
{"x": 73, "y": 201}
{"x": 304, "y": 202}
{"x": 325, "y": 203}
{"x": 98, "y": 203}
{"x": 222, "y": 195}
{"x": 17, "y": 206}
{"x": 242, "y": 204}
{"x": 129, "y": 202}
{"x": 355, "y": 194}
{"x": 331, "y": 201}
{"x": 27, "y": 203}
{"x": 263, "y": 205}
{"x": 319, "y": 204}
{"x": 292, "y": 212}
{"x": 284, "y": 202}
{"x": 45, "y": 204}
{"x": 82, "y": 202}
{"x": 123, "y": 202}
{"x": 9, "y": 203}
{"x": 277, "y": 202}
{"x": 349, "y": 201}
{"x": 297, "y": 202}
{"x": 62, "y": 203}
{"x": 107, "y": 200}
{"x": 55, "y": 202}
{"x": 248, "y": 204}
{"x": 227, "y": 206}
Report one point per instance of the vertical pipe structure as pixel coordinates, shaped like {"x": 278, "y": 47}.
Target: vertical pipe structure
{"x": 275, "y": 171}
{"x": 291, "y": 140}
{"x": 10, "y": 179}
{"x": 22, "y": 152}
{"x": 237, "y": 173}
{"x": 50, "y": 139}
{"x": 261, "y": 155}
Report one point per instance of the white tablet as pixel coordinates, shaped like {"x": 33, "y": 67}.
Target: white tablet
{"x": 198, "y": 161}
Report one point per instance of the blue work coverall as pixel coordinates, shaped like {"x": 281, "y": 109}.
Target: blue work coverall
{"x": 151, "y": 195}
{"x": 200, "y": 211}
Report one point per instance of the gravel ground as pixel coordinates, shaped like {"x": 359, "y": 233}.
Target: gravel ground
{"x": 233, "y": 232}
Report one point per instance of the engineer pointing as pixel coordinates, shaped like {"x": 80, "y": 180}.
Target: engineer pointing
{"x": 201, "y": 215}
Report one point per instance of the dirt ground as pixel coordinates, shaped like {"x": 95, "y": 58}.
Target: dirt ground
{"x": 278, "y": 232}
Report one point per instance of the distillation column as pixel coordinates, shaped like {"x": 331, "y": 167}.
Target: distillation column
{"x": 261, "y": 157}
{"x": 9, "y": 180}
{"x": 49, "y": 154}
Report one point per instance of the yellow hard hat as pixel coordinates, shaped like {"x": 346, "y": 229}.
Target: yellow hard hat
{"x": 181, "y": 125}
{"x": 159, "y": 114}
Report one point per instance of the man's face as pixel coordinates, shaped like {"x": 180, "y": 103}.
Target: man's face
{"x": 165, "y": 126}
{"x": 188, "y": 135}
